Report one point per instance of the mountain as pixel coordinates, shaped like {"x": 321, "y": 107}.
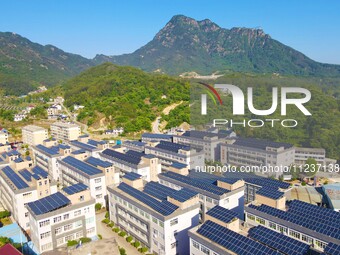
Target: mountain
{"x": 25, "y": 65}
{"x": 186, "y": 45}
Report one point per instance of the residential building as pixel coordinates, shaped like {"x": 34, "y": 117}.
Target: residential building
{"x": 3, "y": 136}
{"x": 33, "y": 135}
{"x": 159, "y": 221}
{"x": 61, "y": 217}
{"x": 150, "y": 137}
{"x": 169, "y": 152}
{"x": 135, "y": 145}
{"x": 47, "y": 155}
{"x": 148, "y": 166}
{"x": 115, "y": 131}
{"x": 302, "y": 154}
{"x": 257, "y": 153}
{"x": 19, "y": 187}
{"x": 91, "y": 147}
{"x": 75, "y": 171}
{"x": 224, "y": 192}
{"x": 307, "y": 223}
{"x": 65, "y": 131}
{"x": 207, "y": 141}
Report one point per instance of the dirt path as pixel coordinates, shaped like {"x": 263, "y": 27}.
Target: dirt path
{"x": 166, "y": 111}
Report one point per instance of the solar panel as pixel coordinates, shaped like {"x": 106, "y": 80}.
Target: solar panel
{"x": 98, "y": 162}
{"x": 75, "y": 188}
{"x": 115, "y": 155}
{"x": 132, "y": 176}
{"x": 222, "y": 214}
{"x": 158, "y": 190}
{"x": 278, "y": 241}
{"x": 270, "y": 193}
{"x": 233, "y": 241}
{"x": 83, "y": 146}
{"x": 183, "y": 195}
{"x": 196, "y": 183}
{"x": 38, "y": 170}
{"x": 51, "y": 151}
{"x": 165, "y": 208}
{"x": 26, "y": 174}
{"x": 332, "y": 249}
{"x": 178, "y": 165}
{"x": 14, "y": 178}
{"x": 174, "y": 147}
{"x": 49, "y": 203}
{"x": 81, "y": 166}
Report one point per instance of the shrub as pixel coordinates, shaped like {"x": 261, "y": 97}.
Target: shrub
{"x": 303, "y": 183}
{"x": 116, "y": 230}
{"x": 71, "y": 243}
{"x": 129, "y": 239}
{"x": 4, "y": 214}
{"x": 106, "y": 221}
{"x": 85, "y": 239}
{"x": 98, "y": 206}
{"x": 122, "y": 251}
{"x": 111, "y": 224}
{"x": 100, "y": 236}
{"x": 107, "y": 215}
{"x": 122, "y": 233}
{"x": 144, "y": 249}
{"x": 136, "y": 244}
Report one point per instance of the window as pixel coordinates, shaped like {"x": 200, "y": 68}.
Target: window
{"x": 99, "y": 196}
{"x": 282, "y": 229}
{"x": 90, "y": 230}
{"x": 45, "y": 235}
{"x": 320, "y": 244}
{"x": 60, "y": 241}
{"x": 26, "y": 214}
{"x": 260, "y": 220}
{"x": 46, "y": 246}
{"x": 98, "y": 188}
{"x": 294, "y": 234}
{"x": 205, "y": 250}
{"x": 79, "y": 234}
{"x": 69, "y": 237}
{"x": 272, "y": 225}
{"x": 78, "y": 224}
{"x": 195, "y": 244}
{"x": 43, "y": 223}
{"x": 86, "y": 210}
{"x": 58, "y": 230}
{"x": 161, "y": 224}
{"x": 250, "y": 216}
{"x": 155, "y": 242}
{"x": 66, "y": 216}
{"x": 307, "y": 239}
{"x": 57, "y": 219}
{"x": 68, "y": 227}
{"x": 77, "y": 213}
{"x": 98, "y": 180}
{"x": 154, "y": 220}
{"x": 173, "y": 222}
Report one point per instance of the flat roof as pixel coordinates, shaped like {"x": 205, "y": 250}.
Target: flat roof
{"x": 33, "y": 128}
{"x": 260, "y": 143}
{"x": 49, "y": 203}
{"x": 82, "y": 166}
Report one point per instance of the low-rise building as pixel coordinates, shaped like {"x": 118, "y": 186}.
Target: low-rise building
{"x": 91, "y": 147}
{"x": 135, "y": 145}
{"x": 33, "y": 135}
{"x": 61, "y": 217}
{"x": 65, "y": 131}
{"x": 17, "y": 188}
{"x": 302, "y": 154}
{"x": 3, "y": 136}
{"x": 150, "y": 137}
{"x": 159, "y": 223}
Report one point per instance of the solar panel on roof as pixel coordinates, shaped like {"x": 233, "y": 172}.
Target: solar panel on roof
{"x": 222, "y": 214}
{"x": 51, "y": 151}
{"x": 121, "y": 156}
{"x": 82, "y": 166}
{"x": 332, "y": 249}
{"x": 232, "y": 240}
{"x": 83, "y": 146}
{"x": 38, "y": 170}
{"x": 183, "y": 194}
{"x": 98, "y": 162}
{"x": 169, "y": 146}
{"x": 278, "y": 241}
{"x": 132, "y": 176}
{"x": 165, "y": 208}
{"x": 178, "y": 165}
{"x": 75, "y": 188}
{"x": 26, "y": 174}
{"x": 270, "y": 193}
{"x": 14, "y": 178}
{"x": 49, "y": 203}
{"x": 158, "y": 190}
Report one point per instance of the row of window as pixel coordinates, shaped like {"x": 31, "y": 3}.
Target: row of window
{"x": 202, "y": 248}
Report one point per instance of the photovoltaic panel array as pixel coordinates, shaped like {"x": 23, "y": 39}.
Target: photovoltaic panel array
{"x": 178, "y": 165}
{"x": 222, "y": 214}
{"x": 211, "y": 178}
{"x": 49, "y": 203}
{"x": 121, "y": 156}
{"x": 196, "y": 183}
{"x": 81, "y": 166}
{"x": 26, "y": 174}
{"x": 98, "y": 162}
{"x": 233, "y": 241}
{"x": 38, "y": 170}
{"x": 51, "y": 151}
{"x": 183, "y": 194}
{"x": 174, "y": 147}
{"x": 83, "y": 146}
{"x": 14, "y": 178}
{"x": 270, "y": 193}
{"x": 311, "y": 218}
{"x": 332, "y": 249}
{"x": 132, "y": 176}
{"x": 158, "y": 190}
{"x": 278, "y": 241}
{"x": 75, "y": 188}
{"x": 165, "y": 208}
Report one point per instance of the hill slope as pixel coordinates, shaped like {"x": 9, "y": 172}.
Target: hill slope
{"x": 185, "y": 45}
{"x": 25, "y": 65}
{"x": 124, "y": 96}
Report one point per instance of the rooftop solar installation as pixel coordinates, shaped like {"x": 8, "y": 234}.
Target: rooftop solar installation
{"x": 132, "y": 176}
{"x": 222, "y": 214}
{"x": 40, "y": 171}
{"x": 121, "y": 156}
{"x": 270, "y": 193}
{"x": 26, "y": 174}
{"x": 212, "y": 178}
{"x": 202, "y": 134}
{"x": 49, "y": 203}
{"x": 278, "y": 241}
{"x": 98, "y": 162}
{"x": 51, "y": 151}
{"x": 158, "y": 190}
{"x": 233, "y": 241}
{"x": 14, "y": 178}
{"x": 35, "y": 176}
{"x": 156, "y": 136}
{"x": 82, "y": 166}
{"x": 332, "y": 249}
{"x": 165, "y": 208}
{"x": 196, "y": 183}
{"x": 178, "y": 165}
{"x": 311, "y": 219}
{"x": 174, "y": 147}
{"x": 75, "y": 188}
{"x": 83, "y": 146}
{"x": 183, "y": 194}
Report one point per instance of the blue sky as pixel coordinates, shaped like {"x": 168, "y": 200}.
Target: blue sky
{"x": 114, "y": 27}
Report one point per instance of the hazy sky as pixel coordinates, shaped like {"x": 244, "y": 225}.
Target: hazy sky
{"x": 90, "y": 27}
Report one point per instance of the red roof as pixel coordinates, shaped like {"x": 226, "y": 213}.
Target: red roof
{"x": 8, "y": 249}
